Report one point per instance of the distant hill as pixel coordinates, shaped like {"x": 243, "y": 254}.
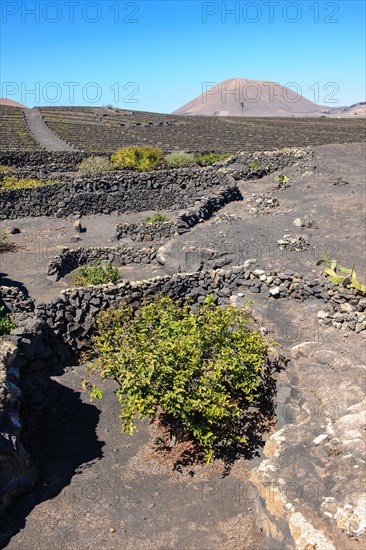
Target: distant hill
{"x": 357, "y": 109}
{"x": 254, "y": 98}
{"x": 11, "y": 103}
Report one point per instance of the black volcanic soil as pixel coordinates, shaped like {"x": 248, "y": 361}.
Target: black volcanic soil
{"x": 233, "y": 232}
{"x": 105, "y": 130}
{"x": 99, "y": 488}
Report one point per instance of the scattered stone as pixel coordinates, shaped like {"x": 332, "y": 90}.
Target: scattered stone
{"x": 258, "y": 272}
{"x": 360, "y": 326}
{"x": 78, "y": 228}
{"x": 320, "y": 439}
{"x": 297, "y": 243}
{"x": 340, "y": 181}
{"x": 274, "y": 291}
{"x": 322, "y": 314}
{"x": 262, "y": 204}
{"x": 75, "y": 239}
{"x": 249, "y": 262}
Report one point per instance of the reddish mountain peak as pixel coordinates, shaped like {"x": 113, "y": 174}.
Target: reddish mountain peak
{"x": 11, "y": 103}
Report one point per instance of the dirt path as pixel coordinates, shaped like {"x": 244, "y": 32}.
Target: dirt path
{"x": 43, "y": 134}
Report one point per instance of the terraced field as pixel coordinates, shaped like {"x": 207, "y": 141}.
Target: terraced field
{"x": 105, "y": 130}
{"x": 14, "y": 132}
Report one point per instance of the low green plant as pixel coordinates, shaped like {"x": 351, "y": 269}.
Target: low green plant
{"x": 255, "y": 165}
{"x": 95, "y": 165}
{"x": 335, "y": 272}
{"x": 156, "y": 218}
{"x": 200, "y": 370}
{"x": 138, "y": 158}
{"x": 96, "y": 274}
{"x": 180, "y": 159}
{"x": 3, "y": 238}
{"x": 281, "y": 181}
{"x": 12, "y": 182}
{"x": 211, "y": 158}
{"x": 6, "y": 324}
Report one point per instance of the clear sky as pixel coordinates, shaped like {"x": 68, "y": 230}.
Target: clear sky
{"x": 158, "y": 55}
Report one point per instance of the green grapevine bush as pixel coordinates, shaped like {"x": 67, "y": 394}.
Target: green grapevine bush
{"x": 3, "y": 237}
{"x": 211, "y": 158}
{"x": 96, "y": 274}
{"x": 201, "y": 369}
{"x": 6, "y": 324}
{"x": 180, "y": 159}
{"x": 156, "y": 218}
{"x": 138, "y": 158}
{"x": 95, "y": 165}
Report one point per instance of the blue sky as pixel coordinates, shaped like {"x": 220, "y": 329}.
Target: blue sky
{"x": 157, "y": 55}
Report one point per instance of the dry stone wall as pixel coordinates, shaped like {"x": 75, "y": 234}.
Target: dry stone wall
{"x": 44, "y": 161}
{"x": 114, "y": 192}
{"x": 70, "y": 259}
{"x": 201, "y": 211}
{"x": 50, "y": 334}
{"x": 72, "y": 315}
{"x": 16, "y": 473}
{"x": 145, "y": 232}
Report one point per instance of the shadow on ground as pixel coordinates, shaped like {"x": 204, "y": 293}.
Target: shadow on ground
{"x": 60, "y": 434}
{"x": 4, "y": 281}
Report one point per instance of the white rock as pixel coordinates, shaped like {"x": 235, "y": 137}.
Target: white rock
{"x": 249, "y": 262}
{"x": 318, "y": 440}
{"x": 274, "y": 291}
{"x": 348, "y": 308}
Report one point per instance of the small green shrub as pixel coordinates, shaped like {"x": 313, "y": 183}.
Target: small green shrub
{"x": 255, "y": 165}
{"x": 281, "y": 181}
{"x": 3, "y": 238}
{"x": 95, "y": 274}
{"x": 6, "y": 324}
{"x": 211, "y": 158}
{"x": 201, "y": 369}
{"x": 180, "y": 160}
{"x": 95, "y": 165}
{"x": 12, "y": 182}
{"x": 138, "y": 158}
{"x": 156, "y": 218}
